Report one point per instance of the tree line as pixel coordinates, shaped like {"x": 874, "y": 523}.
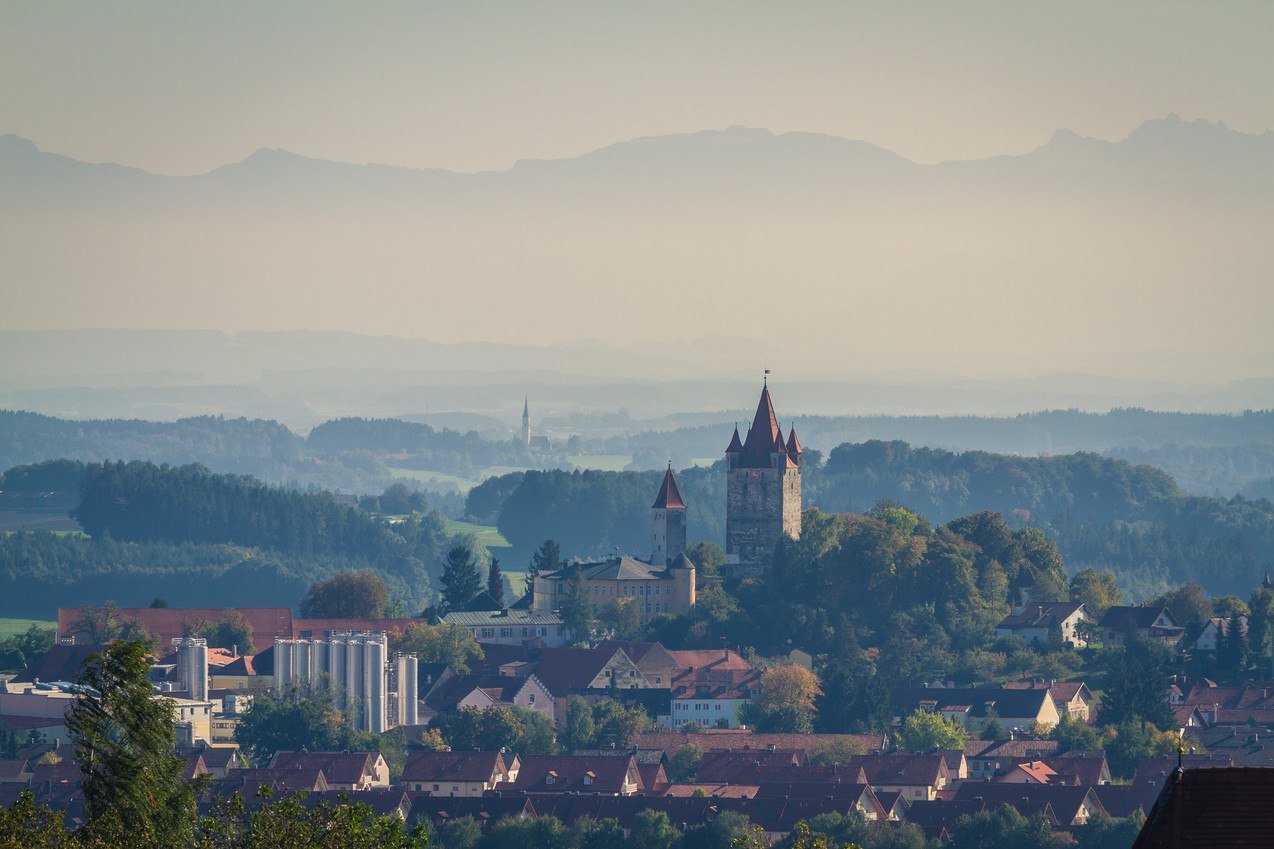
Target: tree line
{"x": 1102, "y": 512}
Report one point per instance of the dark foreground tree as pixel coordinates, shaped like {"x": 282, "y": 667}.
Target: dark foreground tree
{"x": 290, "y": 822}
{"x": 123, "y": 738}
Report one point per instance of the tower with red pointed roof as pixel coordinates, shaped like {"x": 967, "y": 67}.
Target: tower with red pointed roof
{"x": 763, "y": 491}
{"x": 669, "y": 526}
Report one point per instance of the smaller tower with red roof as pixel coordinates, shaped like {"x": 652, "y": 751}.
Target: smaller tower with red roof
{"x": 669, "y": 526}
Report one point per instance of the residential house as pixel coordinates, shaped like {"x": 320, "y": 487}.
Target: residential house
{"x": 711, "y": 697}
{"x": 15, "y": 771}
{"x": 483, "y": 691}
{"x": 239, "y": 674}
{"x": 1214, "y": 630}
{"x": 914, "y": 776}
{"x": 710, "y": 688}
{"x": 1013, "y": 710}
{"x": 651, "y": 766}
{"x": 745, "y": 739}
{"x": 1073, "y": 806}
{"x": 937, "y": 817}
{"x": 251, "y": 781}
{"x": 592, "y": 775}
{"x": 354, "y": 771}
{"x": 458, "y": 773}
{"x": 859, "y": 796}
{"x": 1156, "y": 623}
{"x": 483, "y": 810}
{"x": 652, "y": 659}
{"x": 991, "y": 758}
{"x": 590, "y": 673}
{"x": 1072, "y": 698}
{"x": 747, "y": 766}
{"x": 1045, "y": 622}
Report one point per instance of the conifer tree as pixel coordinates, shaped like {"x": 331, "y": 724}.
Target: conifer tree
{"x": 547, "y": 558}
{"x": 123, "y": 737}
{"x": 495, "y": 581}
{"x": 461, "y": 580}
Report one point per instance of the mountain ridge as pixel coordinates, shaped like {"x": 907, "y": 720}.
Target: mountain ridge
{"x": 1170, "y": 129}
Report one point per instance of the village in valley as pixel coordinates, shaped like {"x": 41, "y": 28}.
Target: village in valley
{"x": 559, "y": 701}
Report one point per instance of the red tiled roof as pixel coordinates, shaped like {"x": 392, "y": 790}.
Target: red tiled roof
{"x": 740, "y": 739}
{"x": 166, "y": 623}
{"x": 717, "y": 658}
{"x": 709, "y": 682}
{"x": 452, "y": 766}
{"x": 714, "y": 790}
{"x": 579, "y": 773}
{"x": 669, "y": 496}
{"x": 316, "y": 628}
{"x": 562, "y": 670}
{"x": 793, "y": 444}
{"x": 242, "y": 665}
{"x": 337, "y": 767}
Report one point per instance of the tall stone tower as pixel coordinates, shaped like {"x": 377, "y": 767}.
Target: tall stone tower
{"x": 669, "y": 526}
{"x": 526, "y": 422}
{"x": 763, "y": 492}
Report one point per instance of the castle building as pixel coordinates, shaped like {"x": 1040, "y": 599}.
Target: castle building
{"x": 663, "y": 584}
{"x": 763, "y": 491}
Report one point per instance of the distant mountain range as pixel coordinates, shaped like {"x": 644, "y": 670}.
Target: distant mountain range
{"x": 816, "y": 255}
{"x": 1166, "y": 148}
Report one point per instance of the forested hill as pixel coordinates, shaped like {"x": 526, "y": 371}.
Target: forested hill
{"x": 1103, "y": 512}
{"x": 196, "y": 537}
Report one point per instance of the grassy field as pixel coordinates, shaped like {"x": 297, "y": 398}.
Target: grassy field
{"x": 485, "y": 534}
{"x": 9, "y": 627}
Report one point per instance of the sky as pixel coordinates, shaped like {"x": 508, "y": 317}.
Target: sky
{"x": 973, "y": 269}
{"x": 180, "y": 88}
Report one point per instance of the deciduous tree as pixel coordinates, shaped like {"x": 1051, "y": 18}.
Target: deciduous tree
{"x": 346, "y": 595}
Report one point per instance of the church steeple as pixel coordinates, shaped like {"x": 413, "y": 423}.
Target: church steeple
{"x": 526, "y": 421}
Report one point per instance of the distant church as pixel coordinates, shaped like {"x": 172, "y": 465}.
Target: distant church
{"x": 763, "y": 491}
{"x": 532, "y": 443}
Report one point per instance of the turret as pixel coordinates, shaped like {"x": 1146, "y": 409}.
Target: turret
{"x": 793, "y": 446}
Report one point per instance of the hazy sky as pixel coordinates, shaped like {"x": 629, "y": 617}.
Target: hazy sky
{"x": 180, "y": 88}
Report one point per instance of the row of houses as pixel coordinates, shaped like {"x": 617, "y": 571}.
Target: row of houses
{"x": 675, "y": 687}
{"x": 1069, "y": 622}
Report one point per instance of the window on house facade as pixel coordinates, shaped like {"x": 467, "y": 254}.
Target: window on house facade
{"x": 488, "y": 632}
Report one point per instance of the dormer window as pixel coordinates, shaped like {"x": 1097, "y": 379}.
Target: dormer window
{"x": 588, "y": 778}
{"x": 550, "y": 777}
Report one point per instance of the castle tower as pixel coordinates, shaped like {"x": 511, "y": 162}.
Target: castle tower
{"x": 669, "y": 526}
{"x": 763, "y": 491}
{"x": 526, "y": 422}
